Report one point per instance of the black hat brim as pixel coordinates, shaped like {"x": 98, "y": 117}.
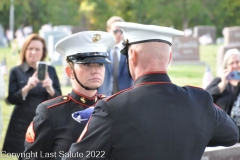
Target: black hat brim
{"x": 102, "y": 60}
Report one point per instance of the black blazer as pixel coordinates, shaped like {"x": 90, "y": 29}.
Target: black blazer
{"x": 225, "y": 99}
{"x": 155, "y": 120}
{"x": 24, "y": 110}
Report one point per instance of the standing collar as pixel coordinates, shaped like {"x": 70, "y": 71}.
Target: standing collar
{"x": 153, "y": 77}
{"x": 82, "y": 99}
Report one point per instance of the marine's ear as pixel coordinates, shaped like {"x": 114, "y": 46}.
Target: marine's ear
{"x": 132, "y": 56}
{"x": 170, "y": 58}
{"x": 69, "y": 72}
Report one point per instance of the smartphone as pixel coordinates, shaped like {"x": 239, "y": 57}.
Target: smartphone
{"x": 234, "y": 75}
{"x": 41, "y": 70}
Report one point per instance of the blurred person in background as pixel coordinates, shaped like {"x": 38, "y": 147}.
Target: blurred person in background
{"x": 26, "y": 91}
{"x": 2, "y": 94}
{"x": 225, "y": 90}
{"x": 116, "y": 75}
{"x": 54, "y": 128}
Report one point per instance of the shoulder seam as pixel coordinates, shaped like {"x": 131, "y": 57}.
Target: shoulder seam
{"x": 57, "y": 103}
{"x": 51, "y": 99}
{"x": 107, "y": 99}
{"x": 193, "y": 87}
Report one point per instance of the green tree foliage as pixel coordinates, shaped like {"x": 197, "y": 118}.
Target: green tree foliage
{"x": 178, "y": 14}
{"x": 39, "y": 12}
{"x": 93, "y": 14}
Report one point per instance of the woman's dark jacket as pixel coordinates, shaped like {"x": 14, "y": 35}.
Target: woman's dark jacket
{"x": 24, "y": 110}
{"x": 225, "y": 99}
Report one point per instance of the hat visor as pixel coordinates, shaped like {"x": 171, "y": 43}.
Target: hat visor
{"x": 102, "y": 60}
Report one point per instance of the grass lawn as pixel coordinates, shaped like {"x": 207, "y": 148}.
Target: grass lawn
{"x": 185, "y": 74}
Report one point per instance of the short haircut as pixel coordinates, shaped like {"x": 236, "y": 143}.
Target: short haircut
{"x": 114, "y": 19}
{"x": 26, "y": 43}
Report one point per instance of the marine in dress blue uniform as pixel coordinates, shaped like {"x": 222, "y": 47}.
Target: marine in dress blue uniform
{"x": 155, "y": 119}
{"x": 53, "y": 130}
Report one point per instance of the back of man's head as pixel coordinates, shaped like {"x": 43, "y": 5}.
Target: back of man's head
{"x": 152, "y": 55}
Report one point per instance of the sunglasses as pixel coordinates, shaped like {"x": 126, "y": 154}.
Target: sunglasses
{"x": 117, "y": 30}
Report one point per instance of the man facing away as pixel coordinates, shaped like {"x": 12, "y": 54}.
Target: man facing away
{"x": 155, "y": 119}
{"x": 116, "y": 75}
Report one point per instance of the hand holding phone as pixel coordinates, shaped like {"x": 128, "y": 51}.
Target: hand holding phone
{"x": 41, "y": 70}
{"x": 234, "y": 75}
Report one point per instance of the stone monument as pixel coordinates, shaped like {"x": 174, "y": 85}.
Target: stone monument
{"x": 231, "y": 40}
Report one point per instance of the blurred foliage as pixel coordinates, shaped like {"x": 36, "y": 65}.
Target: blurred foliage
{"x": 39, "y": 12}
{"x": 93, "y": 14}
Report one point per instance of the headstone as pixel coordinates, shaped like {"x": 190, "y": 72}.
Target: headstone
{"x": 51, "y": 38}
{"x": 56, "y": 58}
{"x": 77, "y": 29}
{"x": 64, "y": 28}
{"x": 231, "y": 40}
{"x": 207, "y": 33}
{"x": 231, "y": 35}
{"x": 27, "y": 30}
{"x": 185, "y": 50}
{"x": 2, "y": 37}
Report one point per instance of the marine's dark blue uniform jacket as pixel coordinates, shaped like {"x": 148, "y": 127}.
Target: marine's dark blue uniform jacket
{"x": 53, "y": 129}
{"x": 155, "y": 120}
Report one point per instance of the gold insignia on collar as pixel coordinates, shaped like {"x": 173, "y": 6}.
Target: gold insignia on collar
{"x": 102, "y": 96}
{"x": 65, "y": 98}
{"x": 96, "y": 38}
{"x": 95, "y": 99}
{"x": 83, "y": 100}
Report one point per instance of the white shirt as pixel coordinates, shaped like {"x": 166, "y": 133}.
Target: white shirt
{"x": 118, "y": 49}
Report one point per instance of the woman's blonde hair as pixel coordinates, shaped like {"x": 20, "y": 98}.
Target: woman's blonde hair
{"x": 27, "y": 42}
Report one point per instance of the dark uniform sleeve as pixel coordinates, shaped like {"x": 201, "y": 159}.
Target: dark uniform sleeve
{"x": 14, "y": 91}
{"x": 39, "y": 136}
{"x": 226, "y": 131}
{"x": 55, "y": 83}
{"x": 96, "y": 137}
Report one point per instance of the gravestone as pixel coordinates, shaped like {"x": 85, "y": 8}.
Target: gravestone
{"x": 51, "y": 37}
{"x": 231, "y": 40}
{"x": 231, "y": 35}
{"x": 205, "y": 32}
{"x": 56, "y": 58}
{"x": 76, "y": 29}
{"x": 185, "y": 50}
{"x": 2, "y": 37}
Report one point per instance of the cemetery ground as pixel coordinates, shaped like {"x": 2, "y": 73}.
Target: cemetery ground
{"x": 180, "y": 74}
